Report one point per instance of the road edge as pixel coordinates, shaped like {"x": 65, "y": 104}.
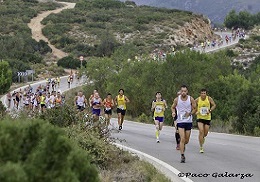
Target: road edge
{"x": 169, "y": 171}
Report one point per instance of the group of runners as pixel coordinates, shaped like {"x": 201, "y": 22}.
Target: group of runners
{"x": 183, "y": 108}
{"x": 96, "y": 103}
{"x": 44, "y": 97}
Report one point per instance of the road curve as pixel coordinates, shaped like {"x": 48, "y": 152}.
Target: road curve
{"x": 223, "y": 152}
{"x": 36, "y": 28}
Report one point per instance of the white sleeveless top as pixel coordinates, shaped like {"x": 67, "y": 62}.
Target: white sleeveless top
{"x": 80, "y": 101}
{"x": 183, "y": 107}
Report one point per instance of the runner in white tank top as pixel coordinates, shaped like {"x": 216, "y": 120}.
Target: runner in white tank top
{"x": 186, "y": 107}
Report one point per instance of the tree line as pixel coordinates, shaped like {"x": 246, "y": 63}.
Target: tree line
{"x": 235, "y": 92}
{"x": 242, "y": 19}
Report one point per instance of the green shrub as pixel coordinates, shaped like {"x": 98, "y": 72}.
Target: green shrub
{"x": 70, "y": 62}
{"x": 33, "y": 150}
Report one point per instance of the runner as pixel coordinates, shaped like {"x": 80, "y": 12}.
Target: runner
{"x": 96, "y": 104}
{"x": 177, "y": 135}
{"x": 26, "y": 101}
{"x": 17, "y": 99}
{"x": 91, "y": 97}
{"x": 108, "y": 104}
{"x": 36, "y": 101}
{"x": 48, "y": 101}
{"x": 43, "y": 102}
{"x": 121, "y": 101}
{"x": 80, "y": 101}
{"x": 158, "y": 107}
{"x": 205, "y": 106}
{"x": 9, "y": 98}
{"x": 186, "y": 107}
{"x": 58, "y": 100}
{"x": 58, "y": 81}
{"x": 69, "y": 81}
{"x": 52, "y": 99}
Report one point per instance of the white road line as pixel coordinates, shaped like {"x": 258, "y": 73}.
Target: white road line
{"x": 168, "y": 170}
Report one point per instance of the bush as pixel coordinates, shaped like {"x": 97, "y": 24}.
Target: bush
{"x": 33, "y": 150}
{"x": 70, "y": 62}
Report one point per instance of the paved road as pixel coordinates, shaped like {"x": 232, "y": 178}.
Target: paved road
{"x": 223, "y": 152}
{"x": 223, "y": 46}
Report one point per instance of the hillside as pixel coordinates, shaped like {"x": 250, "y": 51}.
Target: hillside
{"x": 110, "y": 23}
{"x": 215, "y": 10}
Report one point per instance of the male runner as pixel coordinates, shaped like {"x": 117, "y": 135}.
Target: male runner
{"x": 96, "y": 104}
{"x": 205, "y": 106}
{"x": 108, "y": 104}
{"x": 121, "y": 101}
{"x": 186, "y": 107}
{"x": 80, "y": 101}
{"x": 158, "y": 106}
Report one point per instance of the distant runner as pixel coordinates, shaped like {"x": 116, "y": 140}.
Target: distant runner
{"x": 205, "y": 107}
{"x": 96, "y": 104}
{"x": 108, "y": 105}
{"x": 186, "y": 107}
{"x": 158, "y": 107}
{"x": 80, "y": 101}
{"x": 121, "y": 101}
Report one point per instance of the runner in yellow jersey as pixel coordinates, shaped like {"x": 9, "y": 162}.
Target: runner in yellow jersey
{"x": 43, "y": 102}
{"x": 158, "y": 107}
{"x": 121, "y": 101}
{"x": 205, "y": 106}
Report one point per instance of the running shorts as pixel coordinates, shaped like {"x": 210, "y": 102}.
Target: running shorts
{"x": 122, "y": 111}
{"x": 207, "y": 122}
{"x": 96, "y": 111}
{"x": 160, "y": 119}
{"x": 185, "y": 126}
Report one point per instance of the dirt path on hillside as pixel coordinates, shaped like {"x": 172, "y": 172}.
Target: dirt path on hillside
{"x": 36, "y": 28}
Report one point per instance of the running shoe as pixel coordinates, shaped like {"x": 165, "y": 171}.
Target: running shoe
{"x": 182, "y": 159}
{"x": 157, "y": 140}
{"x": 201, "y": 150}
{"x": 120, "y": 128}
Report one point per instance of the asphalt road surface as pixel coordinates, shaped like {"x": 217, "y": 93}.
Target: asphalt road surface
{"x": 224, "y": 154}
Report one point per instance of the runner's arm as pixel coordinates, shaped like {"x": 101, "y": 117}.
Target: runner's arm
{"x": 126, "y": 99}
{"x": 193, "y": 106}
{"x": 173, "y": 107}
{"x": 153, "y": 106}
{"x": 115, "y": 101}
{"x": 165, "y": 105}
{"x": 212, "y": 104}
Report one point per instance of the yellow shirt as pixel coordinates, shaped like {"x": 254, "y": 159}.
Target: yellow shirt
{"x": 159, "y": 108}
{"x": 121, "y": 103}
{"x": 42, "y": 100}
{"x": 203, "y": 108}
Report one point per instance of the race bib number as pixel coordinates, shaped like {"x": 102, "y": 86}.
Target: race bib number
{"x": 80, "y": 103}
{"x": 158, "y": 109}
{"x": 183, "y": 116}
{"x": 204, "y": 111}
{"x": 107, "y": 108}
{"x": 121, "y": 107}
